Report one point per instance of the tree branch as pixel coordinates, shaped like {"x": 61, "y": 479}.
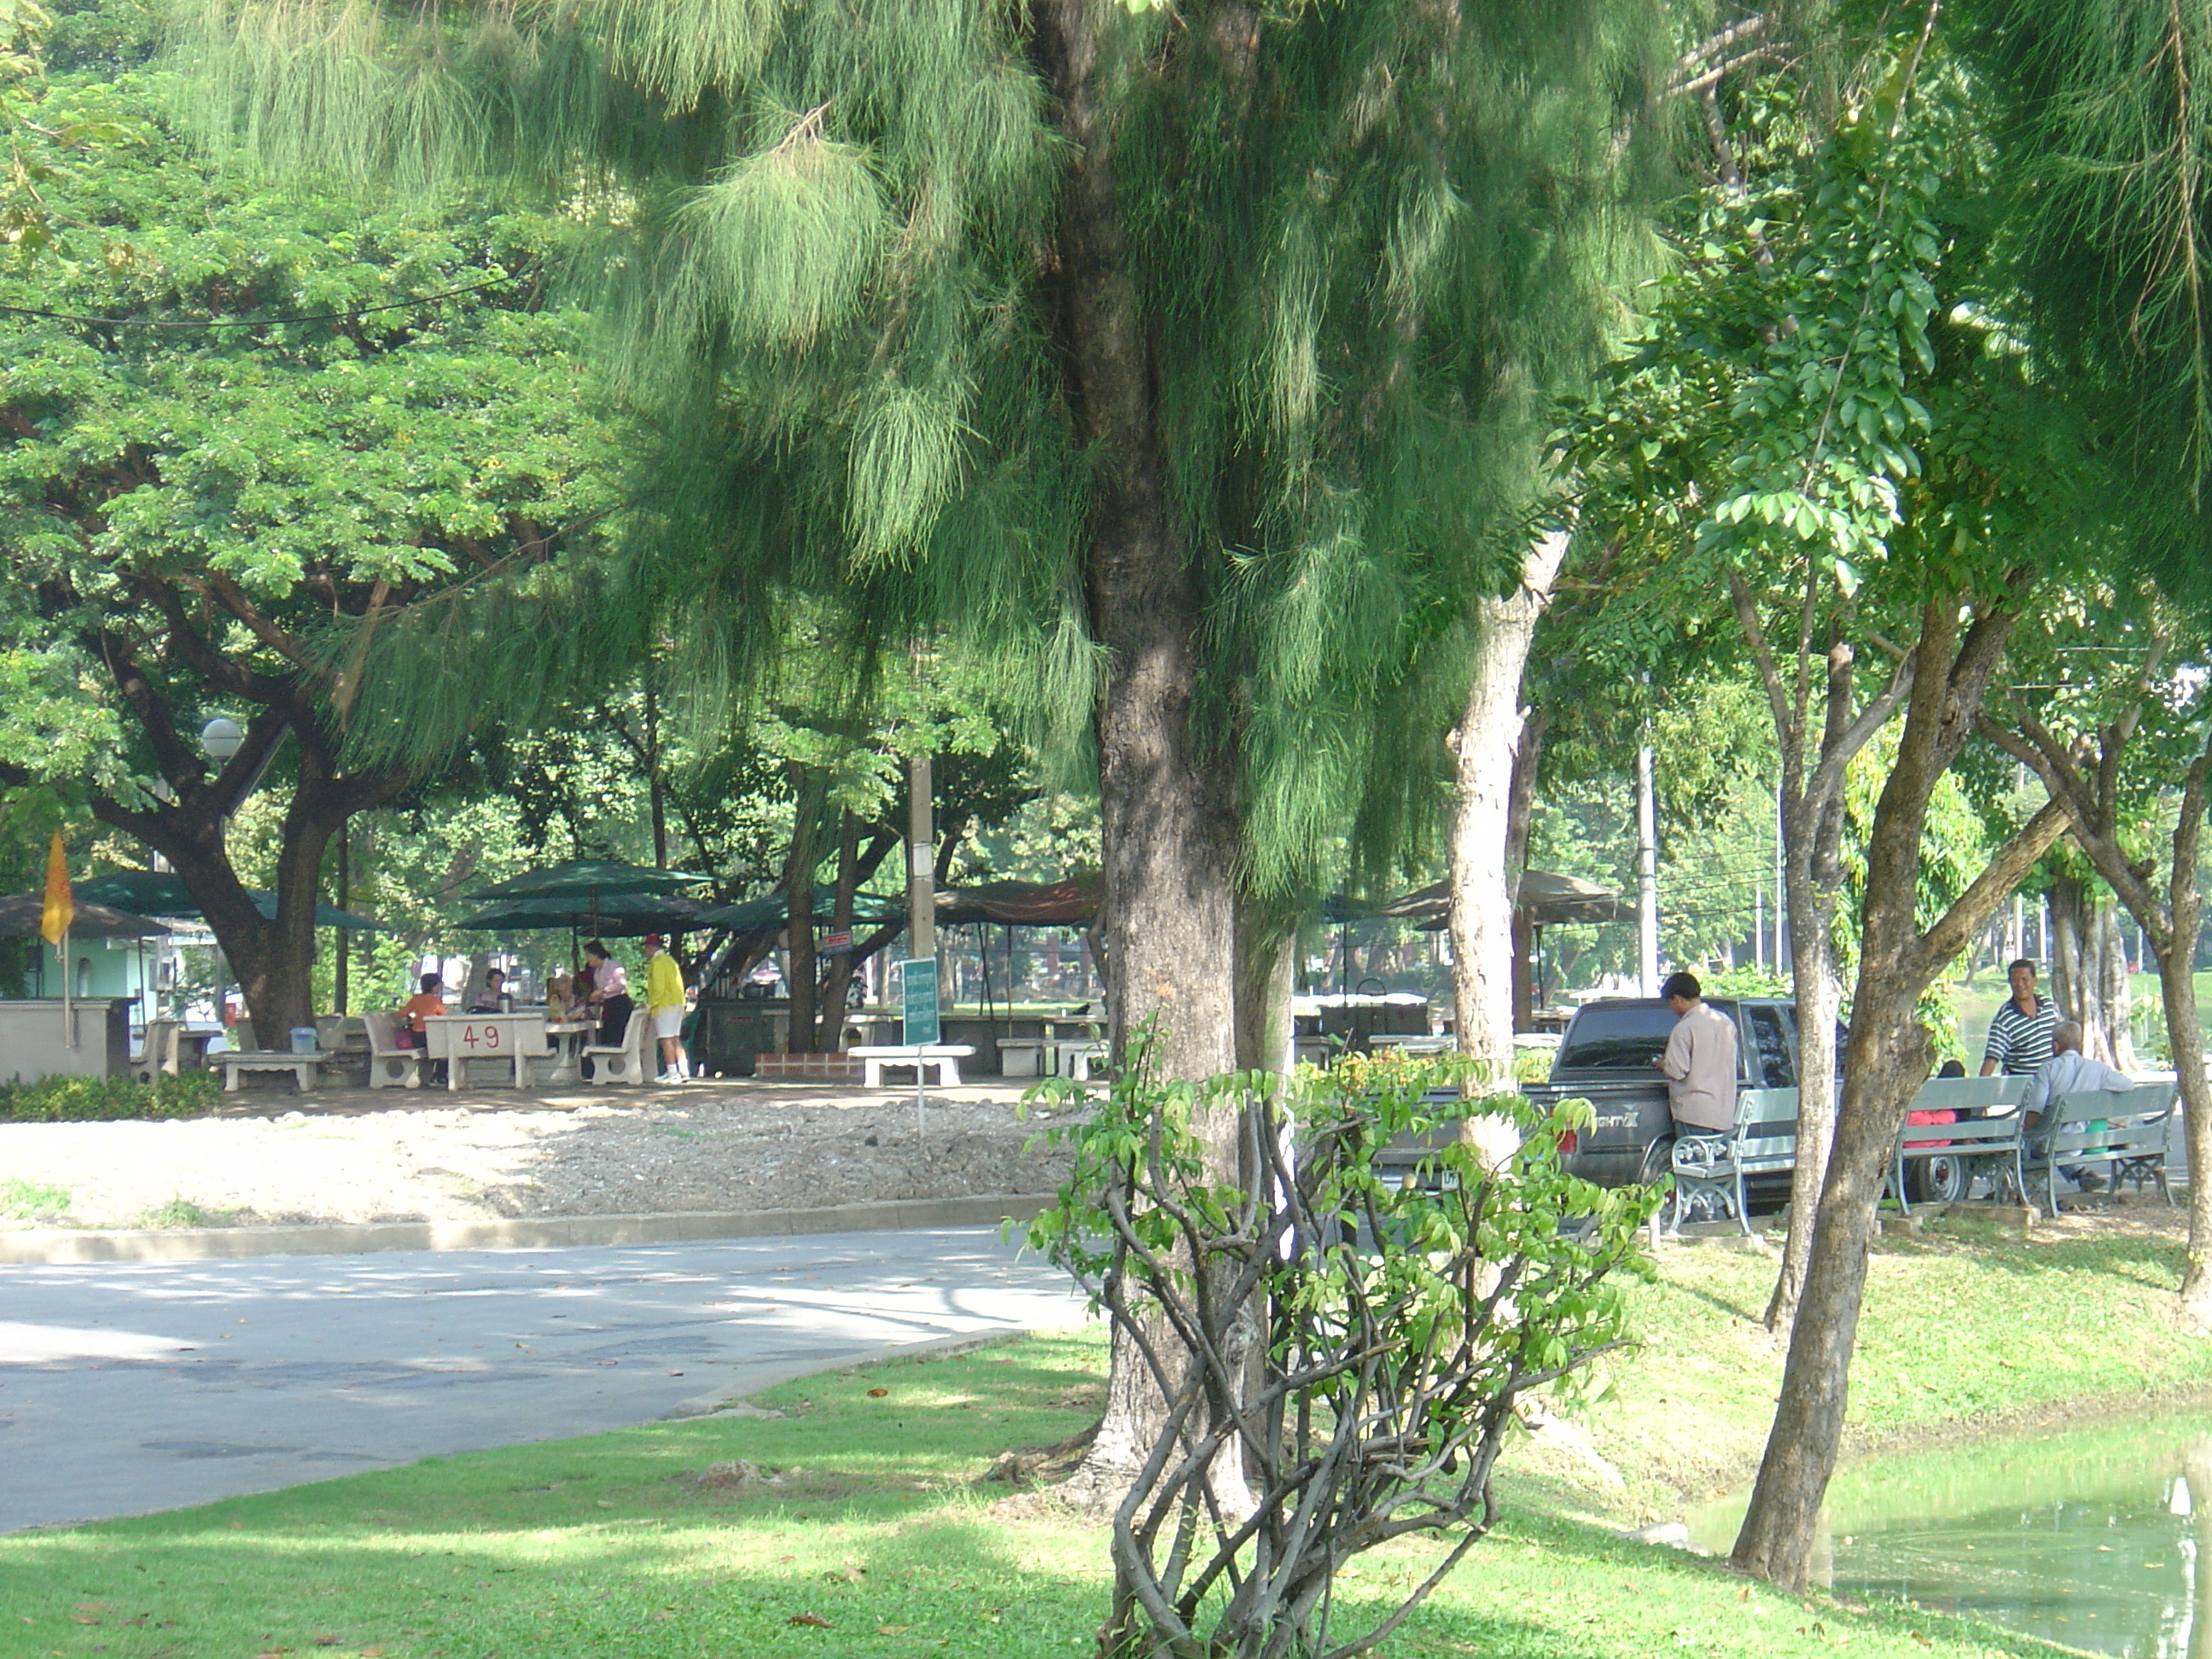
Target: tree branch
{"x": 1975, "y": 906}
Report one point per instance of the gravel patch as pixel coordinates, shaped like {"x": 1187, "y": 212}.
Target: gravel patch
{"x": 430, "y": 1156}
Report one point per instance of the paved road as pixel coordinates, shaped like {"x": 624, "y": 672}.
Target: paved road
{"x": 131, "y": 1387}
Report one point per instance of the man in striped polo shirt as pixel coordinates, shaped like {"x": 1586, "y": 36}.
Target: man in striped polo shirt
{"x": 2020, "y": 1035}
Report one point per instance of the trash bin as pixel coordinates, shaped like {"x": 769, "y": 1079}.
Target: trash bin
{"x": 305, "y": 1040}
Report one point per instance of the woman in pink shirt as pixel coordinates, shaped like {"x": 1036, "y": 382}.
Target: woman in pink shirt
{"x": 609, "y": 994}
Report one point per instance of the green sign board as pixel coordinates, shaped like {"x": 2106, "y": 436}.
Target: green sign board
{"x": 920, "y": 979}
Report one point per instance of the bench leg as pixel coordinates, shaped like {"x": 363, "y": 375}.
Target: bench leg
{"x": 230, "y": 1075}
{"x": 948, "y": 1074}
{"x": 871, "y": 1074}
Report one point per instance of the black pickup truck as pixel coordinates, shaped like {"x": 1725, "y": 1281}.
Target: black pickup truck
{"x": 1605, "y": 1057}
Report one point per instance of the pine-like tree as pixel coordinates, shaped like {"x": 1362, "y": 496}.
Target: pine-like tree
{"x": 1193, "y": 354}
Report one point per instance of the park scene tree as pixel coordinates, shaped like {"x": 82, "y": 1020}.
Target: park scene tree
{"x": 1369, "y": 535}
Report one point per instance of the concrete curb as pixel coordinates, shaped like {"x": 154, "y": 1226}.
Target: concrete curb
{"x": 59, "y": 1247}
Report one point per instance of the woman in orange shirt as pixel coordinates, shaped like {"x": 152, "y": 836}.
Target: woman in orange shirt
{"x": 416, "y": 1008}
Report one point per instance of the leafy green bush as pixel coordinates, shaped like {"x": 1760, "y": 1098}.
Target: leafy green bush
{"x": 93, "y": 1099}
{"x": 26, "y": 1199}
{"x": 1327, "y": 1357}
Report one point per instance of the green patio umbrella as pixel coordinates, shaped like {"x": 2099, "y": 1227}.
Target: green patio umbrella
{"x": 163, "y": 893}
{"x": 770, "y": 910}
{"x": 583, "y": 878}
{"x": 619, "y": 915}
{"x": 592, "y": 880}
{"x": 21, "y": 914}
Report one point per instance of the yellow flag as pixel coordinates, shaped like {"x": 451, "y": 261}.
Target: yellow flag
{"x": 61, "y": 904}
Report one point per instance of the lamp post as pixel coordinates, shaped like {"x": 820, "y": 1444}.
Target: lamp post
{"x": 221, "y": 740}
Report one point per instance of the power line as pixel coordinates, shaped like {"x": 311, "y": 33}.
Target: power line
{"x": 259, "y": 322}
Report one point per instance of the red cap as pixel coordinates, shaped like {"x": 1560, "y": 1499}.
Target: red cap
{"x": 654, "y": 938}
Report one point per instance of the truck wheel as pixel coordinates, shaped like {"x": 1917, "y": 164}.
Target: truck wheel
{"x": 1658, "y": 1160}
{"x": 1944, "y": 1180}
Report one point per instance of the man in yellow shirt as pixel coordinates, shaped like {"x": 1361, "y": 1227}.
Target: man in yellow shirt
{"x": 663, "y": 1005}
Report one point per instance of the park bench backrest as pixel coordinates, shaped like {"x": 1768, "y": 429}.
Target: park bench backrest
{"x": 1766, "y": 1125}
{"x": 2136, "y": 1121}
{"x": 383, "y": 1029}
{"x": 1953, "y": 1094}
{"x": 1971, "y": 1135}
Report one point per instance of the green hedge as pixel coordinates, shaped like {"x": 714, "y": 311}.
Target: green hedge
{"x": 91, "y": 1099}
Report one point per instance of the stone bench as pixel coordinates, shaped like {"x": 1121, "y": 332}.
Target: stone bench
{"x": 1022, "y": 1056}
{"x": 237, "y": 1064}
{"x": 1075, "y": 1058}
{"x": 945, "y": 1057}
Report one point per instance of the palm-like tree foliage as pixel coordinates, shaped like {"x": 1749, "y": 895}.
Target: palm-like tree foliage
{"x": 2112, "y": 122}
{"x": 1217, "y": 336}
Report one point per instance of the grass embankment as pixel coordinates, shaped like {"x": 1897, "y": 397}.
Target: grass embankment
{"x": 876, "y": 1542}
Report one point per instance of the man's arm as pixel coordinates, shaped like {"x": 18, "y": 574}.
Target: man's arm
{"x": 2038, "y": 1096}
{"x": 1993, "y": 1050}
{"x": 1674, "y": 1062}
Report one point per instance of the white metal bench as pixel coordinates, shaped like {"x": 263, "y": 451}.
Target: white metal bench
{"x": 1710, "y": 1170}
{"x": 945, "y": 1056}
{"x": 2127, "y": 1130}
{"x": 237, "y": 1063}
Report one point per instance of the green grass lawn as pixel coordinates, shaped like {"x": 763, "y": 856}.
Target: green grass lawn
{"x": 877, "y": 1542}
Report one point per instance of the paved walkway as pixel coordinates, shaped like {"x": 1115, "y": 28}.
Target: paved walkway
{"x": 131, "y": 1387}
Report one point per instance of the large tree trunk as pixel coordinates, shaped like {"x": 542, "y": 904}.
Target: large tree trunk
{"x": 1267, "y": 935}
{"x": 1482, "y": 885}
{"x": 1812, "y": 973}
{"x": 837, "y": 981}
{"x": 1167, "y": 808}
{"x": 273, "y": 957}
{"x": 1885, "y": 1064}
{"x": 799, "y": 912}
{"x": 1519, "y": 809}
{"x": 2088, "y": 969}
{"x": 2177, "y": 982}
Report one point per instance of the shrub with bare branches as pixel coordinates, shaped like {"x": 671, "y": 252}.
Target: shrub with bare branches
{"x": 1336, "y": 1352}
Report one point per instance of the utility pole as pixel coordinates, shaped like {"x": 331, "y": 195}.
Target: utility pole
{"x": 921, "y": 860}
{"x": 1647, "y": 875}
{"x": 338, "y": 934}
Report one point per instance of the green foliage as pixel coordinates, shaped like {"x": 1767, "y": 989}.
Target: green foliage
{"x": 27, "y": 1200}
{"x": 2106, "y": 130}
{"x": 96, "y": 1099}
{"x": 1361, "y": 264}
{"x": 291, "y": 472}
{"x": 1401, "y": 1322}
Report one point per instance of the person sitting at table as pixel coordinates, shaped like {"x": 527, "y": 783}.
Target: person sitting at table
{"x": 487, "y": 1000}
{"x": 609, "y": 994}
{"x": 562, "y": 1002}
{"x": 422, "y": 1005}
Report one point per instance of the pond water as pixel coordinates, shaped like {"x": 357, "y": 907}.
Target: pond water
{"x": 2100, "y": 1537}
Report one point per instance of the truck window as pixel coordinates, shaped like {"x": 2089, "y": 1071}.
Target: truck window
{"x": 1770, "y": 1038}
{"x": 1616, "y": 1038}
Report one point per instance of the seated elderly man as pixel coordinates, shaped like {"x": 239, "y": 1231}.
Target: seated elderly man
{"x": 2068, "y": 1071}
